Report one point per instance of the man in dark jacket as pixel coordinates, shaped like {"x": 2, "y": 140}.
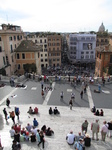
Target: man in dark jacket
{"x": 110, "y": 128}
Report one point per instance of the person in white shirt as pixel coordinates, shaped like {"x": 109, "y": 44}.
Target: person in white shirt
{"x": 104, "y": 130}
{"x": 34, "y": 130}
{"x": 12, "y": 132}
{"x": 70, "y": 138}
{"x": 73, "y": 96}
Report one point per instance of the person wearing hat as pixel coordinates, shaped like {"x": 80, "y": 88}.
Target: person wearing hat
{"x": 70, "y": 138}
{"x": 104, "y": 130}
{"x": 79, "y": 145}
{"x": 87, "y": 140}
{"x": 110, "y": 129}
{"x": 95, "y": 129}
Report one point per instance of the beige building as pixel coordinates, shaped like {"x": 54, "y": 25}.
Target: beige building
{"x": 54, "y": 49}
{"x": 10, "y": 38}
{"x": 40, "y": 39}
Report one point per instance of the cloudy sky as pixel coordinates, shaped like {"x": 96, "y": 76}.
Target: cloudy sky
{"x": 57, "y": 15}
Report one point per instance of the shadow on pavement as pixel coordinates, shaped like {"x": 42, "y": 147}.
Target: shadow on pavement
{"x": 1, "y": 122}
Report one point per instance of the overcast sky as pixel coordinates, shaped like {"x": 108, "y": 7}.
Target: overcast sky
{"x": 57, "y": 15}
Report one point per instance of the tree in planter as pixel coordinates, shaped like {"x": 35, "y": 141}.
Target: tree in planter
{"x": 30, "y": 67}
{"x": 110, "y": 70}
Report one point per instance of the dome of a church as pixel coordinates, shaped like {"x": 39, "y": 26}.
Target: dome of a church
{"x": 102, "y": 28}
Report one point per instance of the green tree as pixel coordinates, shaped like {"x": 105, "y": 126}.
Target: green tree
{"x": 110, "y": 70}
{"x": 30, "y": 67}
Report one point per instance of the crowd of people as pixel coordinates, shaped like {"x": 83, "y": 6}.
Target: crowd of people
{"x": 83, "y": 139}
{"x": 30, "y": 132}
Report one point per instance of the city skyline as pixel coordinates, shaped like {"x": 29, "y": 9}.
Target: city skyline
{"x": 57, "y": 16}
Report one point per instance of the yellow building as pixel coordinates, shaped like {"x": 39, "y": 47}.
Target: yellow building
{"x": 27, "y": 53}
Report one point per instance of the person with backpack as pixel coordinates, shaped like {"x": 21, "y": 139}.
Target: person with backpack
{"x": 17, "y": 112}
{"x": 12, "y": 115}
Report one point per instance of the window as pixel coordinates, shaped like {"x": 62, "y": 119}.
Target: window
{"x": 58, "y": 59}
{"x": 38, "y": 55}
{"x": 54, "y": 49}
{"x": 12, "y": 58}
{"x": 92, "y": 52}
{"x": 91, "y": 56}
{"x": 45, "y": 50}
{"x": 41, "y": 55}
{"x": 97, "y": 54}
{"x": 100, "y": 56}
{"x": 82, "y": 56}
{"x": 14, "y": 38}
{"x": 19, "y": 66}
{"x": 11, "y": 48}
{"x": 45, "y": 60}
{"x": 0, "y": 39}
{"x": 49, "y": 54}
{"x": 82, "y": 52}
{"x": 23, "y": 56}
{"x": 10, "y": 38}
{"x": 41, "y": 60}
{"x": 45, "y": 55}
{"x": 87, "y": 57}
{"x": 15, "y": 45}
{"x": 87, "y": 52}
{"x": 17, "y": 55}
{"x": 0, "y": 49}
{"x": 53, "y": 59}
{"x": 7, "y": 60}
{"x": 45, "y": 41}
{"x": 18, "y": 37}
{"x": 4, "y": 60}
{"x": 35, "y": 41}
{"x": 40, "y": 41}
{"x": 106, "y": 40}
{"x": 58, "y": 54}
{"x": 102, "y": 40}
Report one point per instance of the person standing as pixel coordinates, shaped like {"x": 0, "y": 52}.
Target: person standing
{"x": 17, "y": 112}
{"x": 42, "y": 140}
{"x": 70, "y": 104}
{"x": 104, "y": 130}
{"x": 61, "y": 95}
{"x": 12, "y": 115}
{"x": 5, "y": 113}
{"x": 95, "y": 129}
{"x": 84, "y": 126}
{"x": 8, "y": 102}
{"x": 0, "y": 143}
{"x": 81, "y": 94}
{"x": 35, "y": 123}
{"x": 110, "y": 129}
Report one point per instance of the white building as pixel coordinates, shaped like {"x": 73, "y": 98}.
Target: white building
{"x": 81, "y": 48}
